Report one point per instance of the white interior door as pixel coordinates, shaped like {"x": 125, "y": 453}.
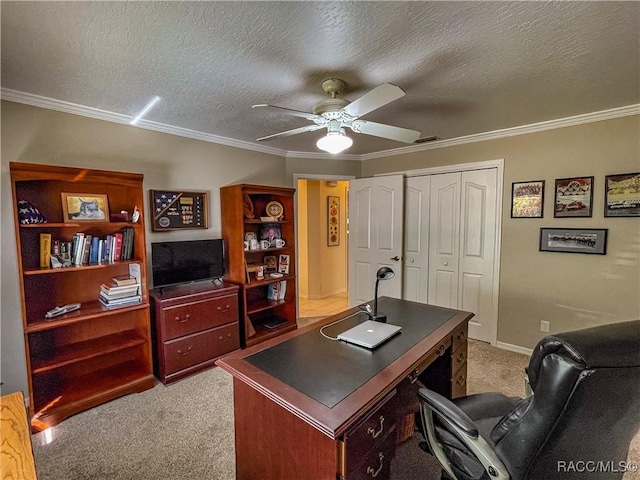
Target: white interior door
{"x": 416, "y": 239}
{"x": 375, "y": 236}
{"x": 477, "y": 252}
{"x": 444, "y": 240}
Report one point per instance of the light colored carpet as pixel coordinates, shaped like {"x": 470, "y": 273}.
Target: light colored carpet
{"x": 185, "y": 431}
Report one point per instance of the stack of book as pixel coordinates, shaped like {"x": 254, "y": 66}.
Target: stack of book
{"x": 124, "y": 290}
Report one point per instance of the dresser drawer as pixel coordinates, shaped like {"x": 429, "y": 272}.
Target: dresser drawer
{"x": 371, "y": 432}
{"x": 194, "y": 317}
{"x": 200, "y": 347}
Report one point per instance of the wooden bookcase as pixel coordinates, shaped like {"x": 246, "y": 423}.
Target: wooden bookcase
{"x": 257, "y": 310}
{"x": 92, "y": 355}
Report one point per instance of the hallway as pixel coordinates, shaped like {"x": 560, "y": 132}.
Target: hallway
{"x": 323, "y": 307}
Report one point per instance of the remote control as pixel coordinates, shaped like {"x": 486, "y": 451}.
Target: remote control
{"x": 61, "y": 310}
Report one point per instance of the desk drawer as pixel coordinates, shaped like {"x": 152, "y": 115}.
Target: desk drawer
{"x": 459, "y": 382}
{"x": 197, "y": 316}
{"x": 459, "y": 358}
{"x": 371, "y": 432}
{"x": 460, "y": 336}
{"x": 375, "y": 464}
{"x": 200, "y": 347}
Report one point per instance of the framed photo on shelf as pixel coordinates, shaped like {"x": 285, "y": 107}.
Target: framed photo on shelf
{"x": 283, "y": 264}
{"x": 270, "y": 232}
{"x": 573, "y": 197}
{"x": 270, "y": 263}
{"x": 527, "y": 199}
{"x": 622, "y": 195}
{"x": 85, "y": 207}
{"x": 574, "y": 240}
{"x": 333, "y": 221}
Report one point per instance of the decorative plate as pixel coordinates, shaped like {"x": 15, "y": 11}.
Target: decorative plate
{"x": 275, "y": 209}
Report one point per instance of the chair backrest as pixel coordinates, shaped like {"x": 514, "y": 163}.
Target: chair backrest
{"x": 585, "y": 409}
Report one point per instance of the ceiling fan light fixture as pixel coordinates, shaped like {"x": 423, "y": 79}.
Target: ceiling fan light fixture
{"x": 335, "y": 142}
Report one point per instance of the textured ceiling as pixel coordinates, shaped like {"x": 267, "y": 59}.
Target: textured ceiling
{"x": 467, "y": 67}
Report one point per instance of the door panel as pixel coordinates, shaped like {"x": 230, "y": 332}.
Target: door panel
{"x": 416, "y": 239}
{"x": 376, "y": 226}
{"x": 444, "y": 239}
{"x": 478, "y": 236}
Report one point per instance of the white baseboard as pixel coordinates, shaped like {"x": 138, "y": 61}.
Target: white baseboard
{"x": 514, "y": 348}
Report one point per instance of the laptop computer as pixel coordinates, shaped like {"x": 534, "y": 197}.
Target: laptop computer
{"x": 369, "y": 334}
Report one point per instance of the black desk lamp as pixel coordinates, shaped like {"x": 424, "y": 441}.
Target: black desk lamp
{"x": 384, "y": 273}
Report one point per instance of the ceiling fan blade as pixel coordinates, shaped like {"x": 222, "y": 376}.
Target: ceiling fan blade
{"x": 376, "y": 98}
{"x": 288, "y": 111}
{"x": 385, "y": 131}
{"x": 295, "y": 131}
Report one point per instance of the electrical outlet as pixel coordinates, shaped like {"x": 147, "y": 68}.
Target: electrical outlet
{"x": 544, "y": 326}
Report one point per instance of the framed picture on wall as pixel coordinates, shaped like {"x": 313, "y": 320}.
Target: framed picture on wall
{"x": 622, "y": 195}
{"x": 527, "y": 199}
{"x": 333, "y": 221}
{"x": 573, "y": 197}
{"x": 574, "y": 240}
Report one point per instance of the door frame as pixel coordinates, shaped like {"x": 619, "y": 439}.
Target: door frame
{"x": 498, "y": 164}
{"x": 315, "y": 176}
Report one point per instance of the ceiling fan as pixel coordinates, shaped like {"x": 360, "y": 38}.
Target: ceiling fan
{"x": 336, "y": 113}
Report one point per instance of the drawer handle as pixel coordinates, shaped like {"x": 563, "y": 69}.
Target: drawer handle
{"x": 374, "y": 473}
{"x": 226, "y": 308}
{"x": 460, "y": 336}
{"x": 371, "y": 431}
{"x": 186, "y": 317}
{"x": 460, "y": 380}
{"x": 460, "y": 358}
{"x": 413, "y": 376}
{"x": 440, "y": 350}
{"x": 221, "y": 338}
{"x": 186, "y": 352}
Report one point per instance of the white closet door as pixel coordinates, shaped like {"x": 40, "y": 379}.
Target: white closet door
{"x": 477, "y": 251}
{"x": 375, "y": 236}
{"x": 416, "y": 239}
{"x": 444, "y": 240}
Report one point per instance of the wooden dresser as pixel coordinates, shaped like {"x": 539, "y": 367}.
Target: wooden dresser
{"x": 192, "y": 326}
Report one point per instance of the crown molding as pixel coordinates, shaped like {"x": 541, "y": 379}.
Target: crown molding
{"x": 75, "y": 109}
{"x": 511, "y": 132}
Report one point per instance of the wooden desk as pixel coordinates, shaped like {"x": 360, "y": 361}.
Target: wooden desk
{"x": 16, "y": 455}
{"x": 323, "y": 426}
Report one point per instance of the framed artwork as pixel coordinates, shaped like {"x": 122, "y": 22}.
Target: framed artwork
{"x": 573, "y": 197}
{"x": 179, "y": 210}
{"x": 622, "y": 195}
{"x": 333, "y": 221}
{"x": 270, "y": 263}
{"x": 574, "y": 240}
{"x": 270, "y": 232}
{"x": 283, "y": 264}
{"x": 527, "y": 199}
{"x": 85, "y": 207}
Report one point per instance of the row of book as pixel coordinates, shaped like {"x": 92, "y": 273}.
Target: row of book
{"x": 277, "y": 290}
{"x": 123, "y": 289}
{"x": 86, "y": 249}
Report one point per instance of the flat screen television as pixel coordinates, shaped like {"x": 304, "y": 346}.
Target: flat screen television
{"x": 187, "y": 261}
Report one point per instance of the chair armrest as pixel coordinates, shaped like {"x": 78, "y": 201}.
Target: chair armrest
{"x": 446, "y": 408}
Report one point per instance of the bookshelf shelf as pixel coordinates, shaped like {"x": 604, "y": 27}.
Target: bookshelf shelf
{"x": 92, "y": 355}
{"x": 257, "y": 308}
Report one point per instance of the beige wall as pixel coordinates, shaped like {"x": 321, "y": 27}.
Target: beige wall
{"x": 568, "y": 290}
{"x": 36, "y": 135}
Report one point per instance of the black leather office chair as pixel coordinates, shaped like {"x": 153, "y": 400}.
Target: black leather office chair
{"x": 577, "y": 424}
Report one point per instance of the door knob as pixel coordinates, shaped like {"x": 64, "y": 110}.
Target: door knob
{"x": 396, "y": 258}
{"x": 446, "y": 263}
{"x": 412, "y": 260}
